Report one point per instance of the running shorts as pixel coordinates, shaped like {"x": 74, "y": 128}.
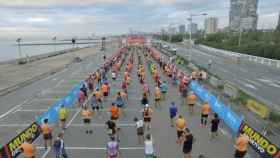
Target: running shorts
{"x": 47, "y": 136}
{"x": 86, "y": 120}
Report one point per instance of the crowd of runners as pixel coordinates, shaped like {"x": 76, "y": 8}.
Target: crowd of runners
{"x": 97, "y": 89}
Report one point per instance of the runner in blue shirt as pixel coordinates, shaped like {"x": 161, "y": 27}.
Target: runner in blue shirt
{"x": 173, "y": 113}
{"x": 163, "y": 89}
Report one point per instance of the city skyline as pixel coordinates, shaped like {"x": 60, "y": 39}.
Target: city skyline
{"x": 48, "y": 18}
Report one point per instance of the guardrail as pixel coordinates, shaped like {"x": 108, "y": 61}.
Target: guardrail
{"x": 250, "y": 58}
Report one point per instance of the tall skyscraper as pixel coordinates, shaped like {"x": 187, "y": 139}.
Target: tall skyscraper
{"x": 278, "y": 25}
{"x": 243, "y": 15}
{"x": 211, "y": 25}
{"x": 193, "y": 28}
{"x": 182, "y": 29}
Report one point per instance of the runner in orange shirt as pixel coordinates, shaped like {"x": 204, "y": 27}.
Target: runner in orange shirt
{"x": 181, "y": 125}
{"x": 105, "y": 89}
{"x": 205, "y": 111}
{"x": 87, "y": 115}
{"x": 191, "y": 100}
{"x": 47, "y": 133}
{"x": 115, "y": 112}
{"x": 28, "y": 148}
{"x": 241, "y": 146}
{"x": 157, "y": 97}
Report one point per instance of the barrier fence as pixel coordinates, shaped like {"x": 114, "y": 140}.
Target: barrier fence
{"x": 12, "y": 150}
{"x": 235, "y": 122}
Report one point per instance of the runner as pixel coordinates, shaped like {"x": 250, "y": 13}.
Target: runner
{"x": 172, "y": 113}
{"x": 181, "y": 125}
{"x": 139, "y": 129}
{"x": 144, "y": 99}
{"x": 149, "y": 147}
{"x": 99, "y": 97}
{"x": 184, "y": 93}
{"x": 124, "y": 96}
{"x": 63, "y": 114}
{"x": 124, "y": 86}
{"x": 114, "y": 75}
{"x": 205, "y": 111}
{"x": 113, "y": 150}
{"x": 119, "y": 100}
{"x": 146, "y": 89}
{"x": 82, "y": 98}
{"x": 191, "y": 100}
{"x": 157, "y": 97}
{"x": 115, "y": 112}
{"x": 98, "y": 77}
{"x": 187, "y": 141}
{"x": 59, "y": 147}
{"x": 147, "y": 115}
{"x": 87, "y": 115}
{"x": 94, "y": 104}
{"x": 105, "y": 89}
{"x": 47, "y": 133}
{"x": 215, "y": 126}
{"x": 28, "y": 148}
{"x": 111, "y": 128}
{"x": 164, "y": 89}
{"x": 241, "y": 146}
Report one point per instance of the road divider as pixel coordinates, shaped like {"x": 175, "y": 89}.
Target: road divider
{"x": 258, "y": 108}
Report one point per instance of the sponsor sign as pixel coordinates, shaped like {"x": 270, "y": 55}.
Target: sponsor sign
{"x": 231, "y": 119}
{"x": 257, "y": 108}
{"x": 12, "y": 149}
{"x": 260, "y": 143}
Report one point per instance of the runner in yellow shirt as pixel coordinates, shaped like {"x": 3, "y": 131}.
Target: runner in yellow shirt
{"x": 181, "y": 125}
{"x": 63, "y": 116}
{"x": 157, "y": 97}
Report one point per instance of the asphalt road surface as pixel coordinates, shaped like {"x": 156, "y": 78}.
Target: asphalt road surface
{"x": 261, "y": 81}
{"x": 22, "y": 106}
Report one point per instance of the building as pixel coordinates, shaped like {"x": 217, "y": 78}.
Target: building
{"x": 211, "y": 25}
{"x": 278, "y": 25}
{"x": 193, "y": 28}
{"x": 172, "y": 30}
{"x": 182, "y": 29}
{"x": 243, "y": 15}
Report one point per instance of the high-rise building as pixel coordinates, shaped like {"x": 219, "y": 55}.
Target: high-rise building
{"x": 211, "y": 25}
{"x": 243, "y": 15}
{"x": 182, "y": 29}
{"x": 193, "y": 28}
{"x": 278, "y": 25}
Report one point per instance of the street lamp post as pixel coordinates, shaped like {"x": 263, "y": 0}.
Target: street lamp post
{"x": 190, "y": 39}
{"x": 19, "y": 48}
{"x": 54, "y": 39}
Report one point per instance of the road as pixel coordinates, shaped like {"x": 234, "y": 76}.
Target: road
{"x": 258, "y": 80}
{"x": 21, "y": 108}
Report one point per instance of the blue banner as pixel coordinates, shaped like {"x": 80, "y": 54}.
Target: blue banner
{"x": 225, "y": 113}
{"x": 68, "y": 101}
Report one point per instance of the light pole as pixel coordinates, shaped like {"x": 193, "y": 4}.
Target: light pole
{"x": 190, "y": 39}
{"x": 19, "y": 48}
{"x": 54, "y": 39}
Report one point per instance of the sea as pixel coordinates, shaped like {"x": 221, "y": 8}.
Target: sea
{"x": 9, "y": 49}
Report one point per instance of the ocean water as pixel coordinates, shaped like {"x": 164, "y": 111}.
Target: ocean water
{"x": 9, "y": 49}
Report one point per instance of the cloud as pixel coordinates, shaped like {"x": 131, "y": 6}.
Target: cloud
{"x": 56, "y": 2}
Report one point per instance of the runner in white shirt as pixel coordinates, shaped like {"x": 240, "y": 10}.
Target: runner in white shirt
{"x": 140, "y": 130}
{"x": 149, "y": 147}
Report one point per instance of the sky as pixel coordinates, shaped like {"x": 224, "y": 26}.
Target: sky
{"x": 44, "y": 19}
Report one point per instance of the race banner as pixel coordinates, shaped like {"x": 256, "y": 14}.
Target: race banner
{"x": 259, "y": 142}
{"x": 12, "y": 149}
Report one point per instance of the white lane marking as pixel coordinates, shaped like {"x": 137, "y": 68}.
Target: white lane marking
{"x": 95, "y": 148}
{"x": 250, "y": 86}
{"x": 274, "y": 85}
{"x": 14, "y": 108}
{"x": 253, "y": 82}
{"x": 265, "y": 80}
{"x": 225, "y": 133}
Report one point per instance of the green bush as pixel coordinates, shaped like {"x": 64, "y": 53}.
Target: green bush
{"x": 274, "y": 116}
